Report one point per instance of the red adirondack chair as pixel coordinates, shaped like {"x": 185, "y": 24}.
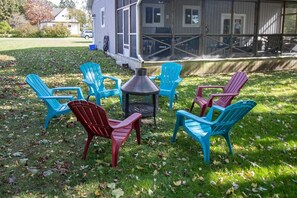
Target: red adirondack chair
{"x": 96, "y": 123}
{"x": 231, "y": 90}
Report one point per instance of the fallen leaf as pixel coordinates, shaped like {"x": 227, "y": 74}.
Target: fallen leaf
{"x": 117, "y": 192}
{"x": 177, "y": 183}
{"x": 111, "y": 185}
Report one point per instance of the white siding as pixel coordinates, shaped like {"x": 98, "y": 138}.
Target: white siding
{"x": 109, "y": 28}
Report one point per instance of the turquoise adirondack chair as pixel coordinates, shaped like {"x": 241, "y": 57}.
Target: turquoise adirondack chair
{"x": 169, "y": 80}
{"x": 54, "y": 107}
{"x": 94, "y": 78}
{"x": 202, "y": 128}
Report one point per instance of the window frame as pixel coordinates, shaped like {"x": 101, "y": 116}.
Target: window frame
{"x": 153, "y": 24}
{"x": 102, "y": 17}
{"x": 191, "y": 7}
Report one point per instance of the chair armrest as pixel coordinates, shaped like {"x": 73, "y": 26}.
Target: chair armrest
{"x": 80, "y": 95}
{"x": 212, "y": 109}
{"x": 193, "y": 117}
{"x": 90, "y": 84}
{"x": 212, "y": 96}
{"x": 200, "y": 88}
{"x": 116, "y": 80}
{"x": 132, "y": 118}
{"x": 56, "y": 97}
{"x": 176, "y": 83}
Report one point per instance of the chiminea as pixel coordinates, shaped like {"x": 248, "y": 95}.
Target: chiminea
{"x": 140, "y": 94}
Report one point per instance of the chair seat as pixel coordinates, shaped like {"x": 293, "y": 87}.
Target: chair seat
{"x": 107, "y": 93}
{"x": 201, "y": 101}
{"x": 164, "y": 92}
{"x": 196, "y": 129}
{"x": 64, "y": 107}
{"x": 122, "y": 133}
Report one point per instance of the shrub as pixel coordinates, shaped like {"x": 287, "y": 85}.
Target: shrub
{"x": 26, "y": 30}
{"x": 56, "y": 31}
{"x": 4, "y": 27}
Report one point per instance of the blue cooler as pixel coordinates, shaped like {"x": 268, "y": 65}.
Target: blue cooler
{"x": 92, "y": 47}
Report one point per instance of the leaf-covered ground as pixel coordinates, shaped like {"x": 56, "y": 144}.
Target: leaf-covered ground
{"x": 38, "y": 163}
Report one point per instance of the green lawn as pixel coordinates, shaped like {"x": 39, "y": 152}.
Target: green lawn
{"x": 47, "y": 163}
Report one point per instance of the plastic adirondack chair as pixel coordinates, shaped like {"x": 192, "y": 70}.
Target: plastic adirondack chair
{"x": 169, "y": 80}
{"x": 231, "y": 90}
{"x": 94, "y": 78}
{"x": 96, "y": 123}
{"x": 54, "y": 107}
{"x": 202, "y": 128}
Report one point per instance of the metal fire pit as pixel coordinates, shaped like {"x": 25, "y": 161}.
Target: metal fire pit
{"x": 140, "y": 95}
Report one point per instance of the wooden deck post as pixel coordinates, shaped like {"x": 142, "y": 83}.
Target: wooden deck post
{"x": 202, "y": 29}
{"x": 256, "y": 27}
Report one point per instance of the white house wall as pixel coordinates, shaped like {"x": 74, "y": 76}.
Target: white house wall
{"x": 63, "y": 18}
{"x": 109, "y": 28}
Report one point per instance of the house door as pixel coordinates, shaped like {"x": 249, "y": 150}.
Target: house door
{"x": 126, "y": 31}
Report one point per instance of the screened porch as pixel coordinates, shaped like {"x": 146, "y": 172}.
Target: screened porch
{"x": 190, "y": 29}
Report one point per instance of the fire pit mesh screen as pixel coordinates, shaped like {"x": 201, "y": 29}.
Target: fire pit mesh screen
{"x": 140, "y": 104}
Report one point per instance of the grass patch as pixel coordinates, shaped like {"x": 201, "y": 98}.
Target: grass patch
{"x": 37, "y": 163}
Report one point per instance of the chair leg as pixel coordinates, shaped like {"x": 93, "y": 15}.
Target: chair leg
{"x": 121, "y": 100}
{"x": 177, "y": 124}
{"x": 205, "y": 143}
{"x": 227, "y": 138}
{"x": 203, "y": 110}
{"x": 47, "y": 120}
{"x": 98, "y": 101}
{"x": 87, "y": 144}
{"x": 115, "y": 152}
{"x": 171, "y": 102}
{"x": 137, "y": 129}
{"x": 193, "y": 103}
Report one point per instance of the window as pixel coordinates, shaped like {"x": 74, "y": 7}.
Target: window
{"x": 153, "y": 15}
{"x": 102, "y": 17}
{"x": 238, "y": 24}
{"x": 191, "y": 16}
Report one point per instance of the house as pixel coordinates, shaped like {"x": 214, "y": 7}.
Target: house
{"x": 61, "y": 16}
{"x": 146, "y": 31}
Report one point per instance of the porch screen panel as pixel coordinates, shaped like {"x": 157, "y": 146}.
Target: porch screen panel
{"x": 120, "y": 32}
{"x": 126, "y": 2}
{"x": 290, "y": 18}
{"x": 133, "y": 19}
{"x": 120, "y": 3}
{"x": 133, "y": 46}
{"x": 133, "y": 31}
{"x": 213, "y": 16}
{"x": 126, "y": 27}
{"x": 270, "y": 18}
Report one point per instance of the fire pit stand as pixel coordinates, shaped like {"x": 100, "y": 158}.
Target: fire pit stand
{"x": 140, "y": 95}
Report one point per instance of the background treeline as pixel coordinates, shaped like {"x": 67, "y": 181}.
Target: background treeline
{"x": 22, "y": 18}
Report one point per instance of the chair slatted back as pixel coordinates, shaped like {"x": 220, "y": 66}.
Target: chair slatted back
{"x": 92, "y": 72}
{"x": 234, "y": 85}
{"x": 169, "y": 73}
{"x": 92, "y": 117}
{"x": 40, "y": 88}
{"x": 232, "y": 114}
